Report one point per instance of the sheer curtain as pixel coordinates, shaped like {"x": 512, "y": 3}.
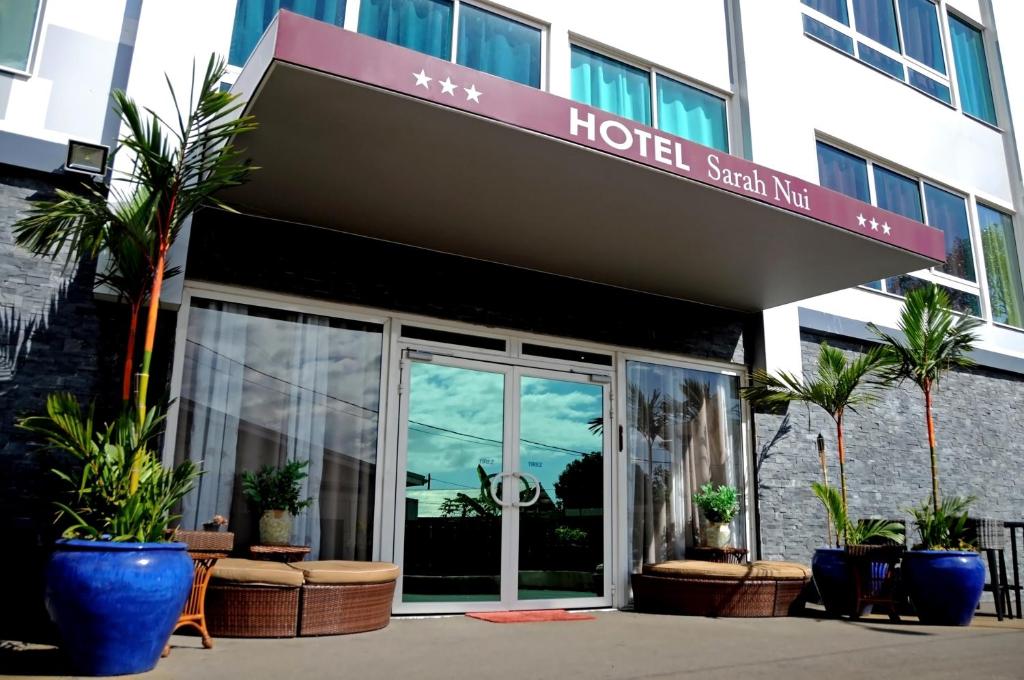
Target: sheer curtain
{"x": 877, "y": 20}
{"x": 503, "y": 47}
{"x": 263, "y": 386}
{"x": 972, "y": 70}
{"x": 685, "y": 429}
{"x": 253, "y": 16}
{"x": 422, "y": 25}
{"x": 212, "y": 393}
{"x": 692, "y": 113}
{"x": 611, "y": 85}
{"x": 921, "y": 39}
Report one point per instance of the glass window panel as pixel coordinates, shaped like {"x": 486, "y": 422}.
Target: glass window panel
{"x": 920, "y": 20}
{"x": 692, "y": 113}
{"x": 499, "y": 46}
{"x": 833, "y": 8}
{"x": 253, "y": 16}
{"x": 897, "y": 193}
{"x": 948, "y": 212}
{"x": 827, "y": 34}
{"x": 886, "y": 64}
{"x": 683, "y": 429}
{"x": 263, "y": 386}
{"x": 877, "y": 20}
{"x": 972, "y": 71}
{"x": 930, "y": 86}
{"x": 422, "y": 25}
{"x": 611, "y": 85}
{"x": 17, "y": 32}
{"x": 1002, "y": 266}
{"x": 843, "y": 172}
{"x": 959, "y": 301}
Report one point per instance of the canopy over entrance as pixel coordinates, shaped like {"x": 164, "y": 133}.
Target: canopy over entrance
{"x": 360, "y": 135}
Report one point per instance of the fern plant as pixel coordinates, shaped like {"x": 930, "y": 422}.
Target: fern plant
{"x": 856, "y": 533}
{"x": 719, "y": 504}
{"x": 116, "y": 487}
{"x": 277, "y": 488}
{"x": 945, "y": 527}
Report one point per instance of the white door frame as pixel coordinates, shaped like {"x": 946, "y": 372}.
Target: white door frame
{"x": 513, "y": 372}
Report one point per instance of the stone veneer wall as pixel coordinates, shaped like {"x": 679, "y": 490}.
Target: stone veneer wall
{"x": 980, "y": 434}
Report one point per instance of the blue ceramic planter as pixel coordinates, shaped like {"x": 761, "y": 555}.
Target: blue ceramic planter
{"x": 834, "y": 580}
{"x": 115, "y": 604}
{"x": 944, "y": 585}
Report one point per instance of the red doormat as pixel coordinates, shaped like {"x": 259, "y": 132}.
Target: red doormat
{"x": 532, "y": 616}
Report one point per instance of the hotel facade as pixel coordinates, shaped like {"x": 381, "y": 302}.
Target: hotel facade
{"x": 504, "y": 267}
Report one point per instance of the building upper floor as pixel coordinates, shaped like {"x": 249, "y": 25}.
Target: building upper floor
{"x": 903, "y": 104}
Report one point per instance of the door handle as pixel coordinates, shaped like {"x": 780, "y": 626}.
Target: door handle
{"x": 536, "y": 488}
{"x": 494, "y": 489}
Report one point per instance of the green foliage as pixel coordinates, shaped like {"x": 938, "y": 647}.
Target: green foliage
{"x": 719, "y": 504}
{"x": 934, "y": 338}
{"x": 580, "y": 484}
{"x": 840, "y": 383}
{"x": 570, "y": 535}
{"x": 944, "y": 528}
{"x": 859, "y": 533}
{"x": 117, "y": 489}
{"x": 277, "y": 488}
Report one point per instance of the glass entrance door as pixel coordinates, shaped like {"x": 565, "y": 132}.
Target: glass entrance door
{"x": 505, "y": 487}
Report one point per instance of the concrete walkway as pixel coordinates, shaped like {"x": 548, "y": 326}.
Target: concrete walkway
{"x": 616, "y": 645}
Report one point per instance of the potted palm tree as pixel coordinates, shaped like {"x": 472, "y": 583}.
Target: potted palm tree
{"x": 944, "y": 576}
{"x": 115, "y": 585}
{"x": 839, "y": 387}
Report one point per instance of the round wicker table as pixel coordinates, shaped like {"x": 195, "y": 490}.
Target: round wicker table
{"x": 727, "y": 555}
{"x": 279, "y": 553}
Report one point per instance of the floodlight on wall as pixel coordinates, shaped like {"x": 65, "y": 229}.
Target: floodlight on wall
{"x": 87, "y": 158}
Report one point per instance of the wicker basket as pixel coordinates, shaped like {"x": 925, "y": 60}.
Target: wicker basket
{"x": 341, "y": 609}
{"x": 252, "y": 610}
{"x": 716, "y": 597}
{"x": 206, "y": 541}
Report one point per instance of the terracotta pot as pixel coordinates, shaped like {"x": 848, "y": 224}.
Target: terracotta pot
{"x": 276, "y": 527}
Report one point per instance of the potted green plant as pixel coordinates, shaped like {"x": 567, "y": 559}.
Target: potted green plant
{"x": 275, "y": 493}
{"x": 719, "y": 505}
{"x": 839, "y": 387}
{"x": 114, "y": 584}
{"x": 944, "y": 576}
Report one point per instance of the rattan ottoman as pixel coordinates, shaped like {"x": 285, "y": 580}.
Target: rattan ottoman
{"x": 695, "y": 588}
{"x": 341, "y": 597}
{"x": 251, "y": 599}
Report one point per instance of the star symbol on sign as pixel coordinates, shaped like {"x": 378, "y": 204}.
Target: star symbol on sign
{"x": 886, "y": 229}
{"x": 472, "y": 94}
{"x": 422, "y": 79}
{"x": 447, "y": 86}
{"x": 874, "y": 224}
{"x": 860, "y": 220}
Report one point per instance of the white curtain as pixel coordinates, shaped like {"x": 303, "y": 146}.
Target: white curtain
{"x": 216, "y": 357}
{"x": 307, "y": 419}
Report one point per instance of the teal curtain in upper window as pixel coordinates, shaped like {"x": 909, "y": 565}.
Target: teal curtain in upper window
{"x": 877, "y": 20}
{"x": 843, "y": 172}
{"x": 920, "y": 20}
{"x": 1002, "y": 266}
{"x": 423, "y": 25}
{"x": 692, "y": 114}
{"x": 897, "y": 193}
{"x": 17, "y": 31}
{"x": 948, "y": 212}
{"x": 972, "y": 71}
{"x": 499, "y": 46}
{"x": 833, "y": 8}
{"x": 253, "y": 16}
{"x": 611, "y": 85}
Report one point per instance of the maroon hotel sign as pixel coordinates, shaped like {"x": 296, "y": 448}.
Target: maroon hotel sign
{"x": 321, "y": 46}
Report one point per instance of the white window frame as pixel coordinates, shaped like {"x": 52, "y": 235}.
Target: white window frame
{"x": 933, "y": 274}
{"x": 991, "y": 58}
{"x": 33, "y": 46}
{"x": 653, "y": 72}
{"x": 1015, "y": 221}
{"x": 900, "y": 56}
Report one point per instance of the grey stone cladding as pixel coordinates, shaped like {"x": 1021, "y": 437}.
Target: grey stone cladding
{"x": 980, "y": 435}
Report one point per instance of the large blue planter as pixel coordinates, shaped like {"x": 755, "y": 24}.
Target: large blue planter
{"x": 834, "y": 580}
{"x": 944, "y": 585}
{"x": 115, "y": 604}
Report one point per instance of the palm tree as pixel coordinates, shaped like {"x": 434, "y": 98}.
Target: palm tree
{"x": 934, "y": 340}
{"x": 181, "y": 165}
{"x": 835, "y": 389}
